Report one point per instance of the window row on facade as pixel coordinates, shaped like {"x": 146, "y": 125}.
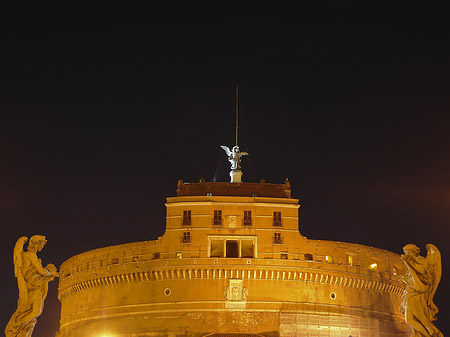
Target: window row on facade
{"x": 276, "y": 239}
{"x": 217, "y": 219}
{"x": 238, "y": 247}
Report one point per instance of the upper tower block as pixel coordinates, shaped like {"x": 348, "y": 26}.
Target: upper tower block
{"x": 233, "y": 208}
{"x": 261, "y": 189}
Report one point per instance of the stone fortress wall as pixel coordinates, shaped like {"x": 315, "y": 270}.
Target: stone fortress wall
{"x": 289, "y": 286}
{"x": 99, "y": 285}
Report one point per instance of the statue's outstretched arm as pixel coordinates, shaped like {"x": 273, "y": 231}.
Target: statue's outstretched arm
{"x": 37, "y": 264}
{"x": 415, "y": 265}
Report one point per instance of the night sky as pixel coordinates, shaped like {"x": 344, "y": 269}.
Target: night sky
{"x": 102, "y": 110}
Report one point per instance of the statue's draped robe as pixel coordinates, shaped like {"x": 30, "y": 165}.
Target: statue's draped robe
{"x": 33, "y": 288}
{"x": 416, "y": 298}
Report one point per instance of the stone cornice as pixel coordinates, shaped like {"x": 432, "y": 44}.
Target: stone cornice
{"x": 339, "y": 278}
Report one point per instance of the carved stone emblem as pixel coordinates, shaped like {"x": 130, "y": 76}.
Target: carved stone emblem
{"x": 235, "y": 291}
{"x": 232, "y": 221}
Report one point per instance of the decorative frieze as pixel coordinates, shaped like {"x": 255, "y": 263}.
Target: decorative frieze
{"x": 347, "y": 280}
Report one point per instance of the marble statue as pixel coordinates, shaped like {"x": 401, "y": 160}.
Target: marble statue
{"x": 421, "y": 280}
{"x": 32, "y": 280}
{"x": 234, "y": 156}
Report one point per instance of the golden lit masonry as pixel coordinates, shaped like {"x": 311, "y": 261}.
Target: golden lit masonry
{"x": 232, "y": 263}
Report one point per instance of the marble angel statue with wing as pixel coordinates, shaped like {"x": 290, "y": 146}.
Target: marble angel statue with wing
{"x": 234, "y": 156}
{"x": 421, "y": 280}
{"x": 32, "y": 280}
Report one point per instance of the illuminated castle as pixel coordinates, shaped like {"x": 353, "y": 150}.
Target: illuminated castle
{"x": 232, "y": 263}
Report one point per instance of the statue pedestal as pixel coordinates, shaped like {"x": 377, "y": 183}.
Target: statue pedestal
{"x": 236, "y": 176}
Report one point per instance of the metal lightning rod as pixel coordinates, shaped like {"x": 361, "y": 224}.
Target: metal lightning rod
{"x": 237, "y": 111}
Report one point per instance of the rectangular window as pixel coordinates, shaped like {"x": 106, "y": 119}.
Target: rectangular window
{"x": 187, "y": 218}
{"x": 277, "y": 219}
{"x": 277, "y": 239}
{"x": 179, "y": 255}
{"x": 187, "y": 237}
{"x": 351, "y": 259}
{"x": 284, "y": 256}
{"x": 217, "y": 220}
{"x": 247, "y": 218}
{"x": 232, "y": 247}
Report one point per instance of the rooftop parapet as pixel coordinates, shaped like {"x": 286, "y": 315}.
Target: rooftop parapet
{"x": 261, "y": 189}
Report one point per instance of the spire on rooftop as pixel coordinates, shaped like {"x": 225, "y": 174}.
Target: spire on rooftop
{"x": 234, "y": 155}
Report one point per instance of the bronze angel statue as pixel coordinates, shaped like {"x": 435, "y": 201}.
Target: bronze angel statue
{"x": 421, "y": 280}
{"x": 234, "y": 156}
{"x": 32, "y": 280}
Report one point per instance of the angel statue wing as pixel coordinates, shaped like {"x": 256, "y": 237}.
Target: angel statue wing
{"x": 435, "y": 266}
{"x": 18, "y": 262}
{"x": 227, "y": 150}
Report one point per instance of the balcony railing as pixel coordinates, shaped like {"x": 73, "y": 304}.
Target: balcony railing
{"x": 186, "y": 239}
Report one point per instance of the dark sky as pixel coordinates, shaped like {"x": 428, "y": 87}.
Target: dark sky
{"x": 101, "y": 114}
